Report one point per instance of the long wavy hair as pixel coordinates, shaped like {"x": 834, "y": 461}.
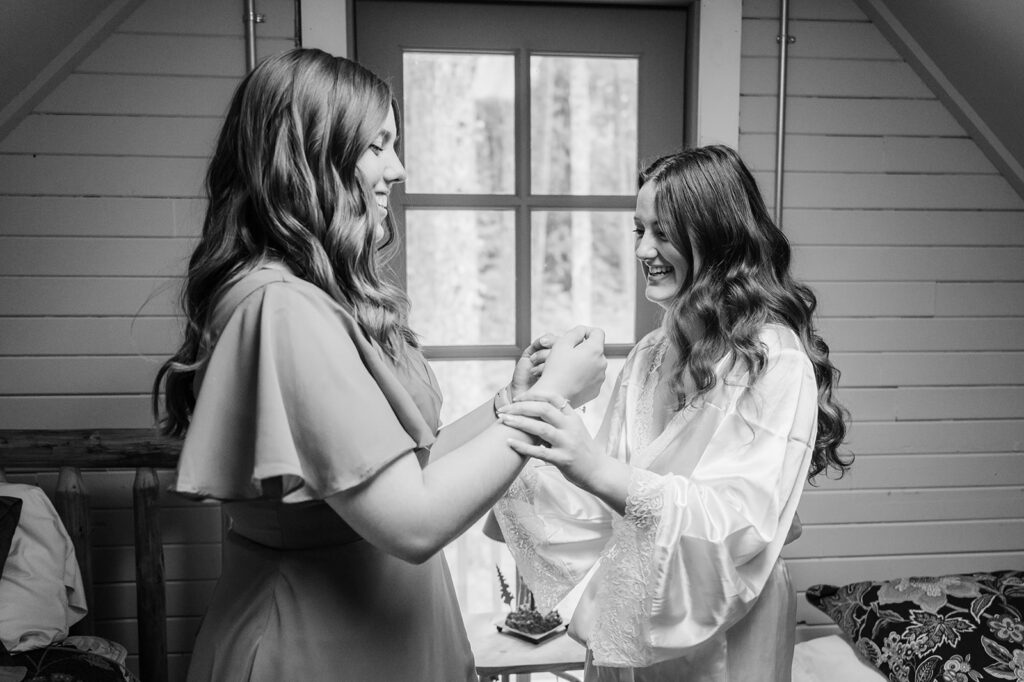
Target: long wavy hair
{"x": 283, "y": 185}
{"x": 707, "y": 197}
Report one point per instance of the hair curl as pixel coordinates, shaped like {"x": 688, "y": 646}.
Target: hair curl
{"x": 283, "y": 185}
{"x": 706, "y": 197}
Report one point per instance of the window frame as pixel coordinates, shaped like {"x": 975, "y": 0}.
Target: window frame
{"x": 430, "y": 31}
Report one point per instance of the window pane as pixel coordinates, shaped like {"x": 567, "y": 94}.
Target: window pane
{"x": 460, "y": 268}
{"x": 583, "y": 272}
{"x": 583, "y": 120}
{"x": 472, "y": 556}
{"x": 467, "y": 383}
{"x": 459, "y": 123}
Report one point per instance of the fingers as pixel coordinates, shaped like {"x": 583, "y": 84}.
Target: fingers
{"x": 529, "y": 450}
{"x": 540, "y": 357}
{"x": 541, "y": 342}
{"x": 574, "y": 336}
{"x": 595, "y": 337}
{"x": 541, "y": 404}
{"x": 531, "y": 427}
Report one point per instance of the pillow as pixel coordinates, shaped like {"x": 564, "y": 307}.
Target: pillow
{"x": 41, "y": 586}
{"x": 10, "y": 512}
{"x": 951, "y": 628}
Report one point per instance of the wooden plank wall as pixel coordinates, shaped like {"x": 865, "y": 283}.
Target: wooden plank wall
{"x": 906, "y": 231}
{"x": 915, "y": 245}
{"x": 99, "y": 202}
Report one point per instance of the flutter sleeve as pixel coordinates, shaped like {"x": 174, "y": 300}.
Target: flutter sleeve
{"x": 292, "y": 391}
{"x": 692, "y": 553}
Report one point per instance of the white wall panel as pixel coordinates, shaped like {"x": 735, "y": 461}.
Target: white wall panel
{"x": 925, "y": 227}
{"x": 912, "y": 242}
{"x": 100, "y": 198}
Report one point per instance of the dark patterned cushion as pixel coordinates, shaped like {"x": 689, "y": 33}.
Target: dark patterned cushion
{"x": 56, "y": 663}
{"x": 952, "y": 628}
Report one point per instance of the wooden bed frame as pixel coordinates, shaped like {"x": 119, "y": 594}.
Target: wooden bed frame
{"x": 71, "y": 451}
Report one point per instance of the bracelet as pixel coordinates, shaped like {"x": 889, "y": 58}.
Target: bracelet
{"x": 502, "y": 398}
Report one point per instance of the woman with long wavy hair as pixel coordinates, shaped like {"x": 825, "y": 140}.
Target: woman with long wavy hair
{"x": 307, "y": 407}
{"x": 683, "y": 503}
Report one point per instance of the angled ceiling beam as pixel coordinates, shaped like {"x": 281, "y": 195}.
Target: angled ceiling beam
{"x": 52, "y": 74}
{"x": 961, "y": 109}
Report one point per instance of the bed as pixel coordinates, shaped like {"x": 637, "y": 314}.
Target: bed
{"x": 70, "y": 452}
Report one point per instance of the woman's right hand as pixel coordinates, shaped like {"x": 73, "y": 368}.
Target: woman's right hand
{"x": 575, "y": 366}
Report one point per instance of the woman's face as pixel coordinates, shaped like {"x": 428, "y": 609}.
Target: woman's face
{"x": 379, "y": 166}
{"x": 666, "y": 267}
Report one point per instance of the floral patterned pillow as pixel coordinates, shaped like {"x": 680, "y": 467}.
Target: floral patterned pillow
{"x": 952, "y": 628}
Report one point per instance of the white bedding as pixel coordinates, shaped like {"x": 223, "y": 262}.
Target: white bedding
{"x": 830, "y": 659}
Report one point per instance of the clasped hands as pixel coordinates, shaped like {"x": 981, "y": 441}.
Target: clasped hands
{"x": 552, "y": 376}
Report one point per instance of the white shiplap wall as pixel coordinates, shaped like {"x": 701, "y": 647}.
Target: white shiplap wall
{"x": 100, "y": 192}
{"x": 911, "y": 238}
{"x": 915, "y": 246}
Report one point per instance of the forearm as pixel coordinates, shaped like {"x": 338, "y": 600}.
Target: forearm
{"x": 469, "y": 480}
{"x": 463, "y": 430}
{"x": 609, "y": 482}
{"x": 434, "y": 504}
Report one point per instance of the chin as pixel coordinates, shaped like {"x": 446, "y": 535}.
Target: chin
{"x": 659, "y": 300}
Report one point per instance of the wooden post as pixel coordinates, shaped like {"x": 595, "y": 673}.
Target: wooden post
{"x": 149, "y": 577}
{"x": 72, "y": 503}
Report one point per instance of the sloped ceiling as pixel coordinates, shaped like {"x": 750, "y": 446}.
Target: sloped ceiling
{"x": 977, "y": 48}
{"x": 33, "y": 33}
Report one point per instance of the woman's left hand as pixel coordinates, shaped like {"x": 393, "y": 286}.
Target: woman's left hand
{"x": 567, "y": 443}
{"x": 530, "y": 365}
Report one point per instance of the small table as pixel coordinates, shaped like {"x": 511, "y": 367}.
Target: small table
{"x": 500, "y": 655}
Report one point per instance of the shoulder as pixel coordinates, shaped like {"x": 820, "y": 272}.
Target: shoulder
{"x": 650, "y": 340}
{"x": 784, "y": 349}
{"x": 275, "y": 290}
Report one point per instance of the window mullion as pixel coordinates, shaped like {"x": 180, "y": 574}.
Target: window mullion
{"x": 524, "y": 303}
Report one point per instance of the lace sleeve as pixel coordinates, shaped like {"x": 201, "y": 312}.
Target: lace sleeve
{"x": 554, "y": 530}
{"x": 624, "y": 593}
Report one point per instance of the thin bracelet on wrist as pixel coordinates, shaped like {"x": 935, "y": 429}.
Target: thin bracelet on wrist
{"x": 502, "y": 398}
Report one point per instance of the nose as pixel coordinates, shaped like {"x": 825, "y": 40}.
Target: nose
{"x": 394, "y": 171}
{"x": 645, "y": 247}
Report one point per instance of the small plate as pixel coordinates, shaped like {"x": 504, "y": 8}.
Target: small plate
{"x": 534, "y": 638}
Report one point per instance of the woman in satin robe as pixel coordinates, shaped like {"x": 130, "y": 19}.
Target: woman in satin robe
{"x": 675, "y": 515}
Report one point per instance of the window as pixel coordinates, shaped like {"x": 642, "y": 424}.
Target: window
{"x": 524, "y": 129}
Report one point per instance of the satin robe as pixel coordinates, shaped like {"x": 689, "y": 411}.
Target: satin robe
{"x": 688, "y": 584}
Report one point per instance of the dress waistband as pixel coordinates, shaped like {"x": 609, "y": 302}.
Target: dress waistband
{"x": 277, "y": 525}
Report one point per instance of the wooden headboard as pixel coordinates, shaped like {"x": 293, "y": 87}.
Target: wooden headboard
{"x": 70, "y": 452}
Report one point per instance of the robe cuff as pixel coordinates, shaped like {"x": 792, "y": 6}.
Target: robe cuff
{"x": 525, "y": 533}
{"x": 621, "y": 636}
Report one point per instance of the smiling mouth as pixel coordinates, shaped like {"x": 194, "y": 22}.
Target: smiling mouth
{"x": 658, "y": 271}
{"x": 382, "y": 202}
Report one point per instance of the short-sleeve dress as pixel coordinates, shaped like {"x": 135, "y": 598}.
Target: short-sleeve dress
{"x": 297, "y": 403}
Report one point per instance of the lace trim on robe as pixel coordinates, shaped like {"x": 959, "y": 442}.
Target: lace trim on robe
{"x": 645, "y": 400}
{"x": 549, "y": 581}
{"x": 624, "y": 592}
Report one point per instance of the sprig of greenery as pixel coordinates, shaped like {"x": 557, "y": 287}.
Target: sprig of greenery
{"x": 506, "y": 594}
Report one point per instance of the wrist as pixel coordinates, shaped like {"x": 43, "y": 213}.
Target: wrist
{"x": 502, "y": 398}
{"x": 609, "y": 481}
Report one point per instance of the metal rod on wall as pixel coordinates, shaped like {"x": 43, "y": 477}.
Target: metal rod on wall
{"x": 784, "y": 40}
{"x": 250, "y": 18}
